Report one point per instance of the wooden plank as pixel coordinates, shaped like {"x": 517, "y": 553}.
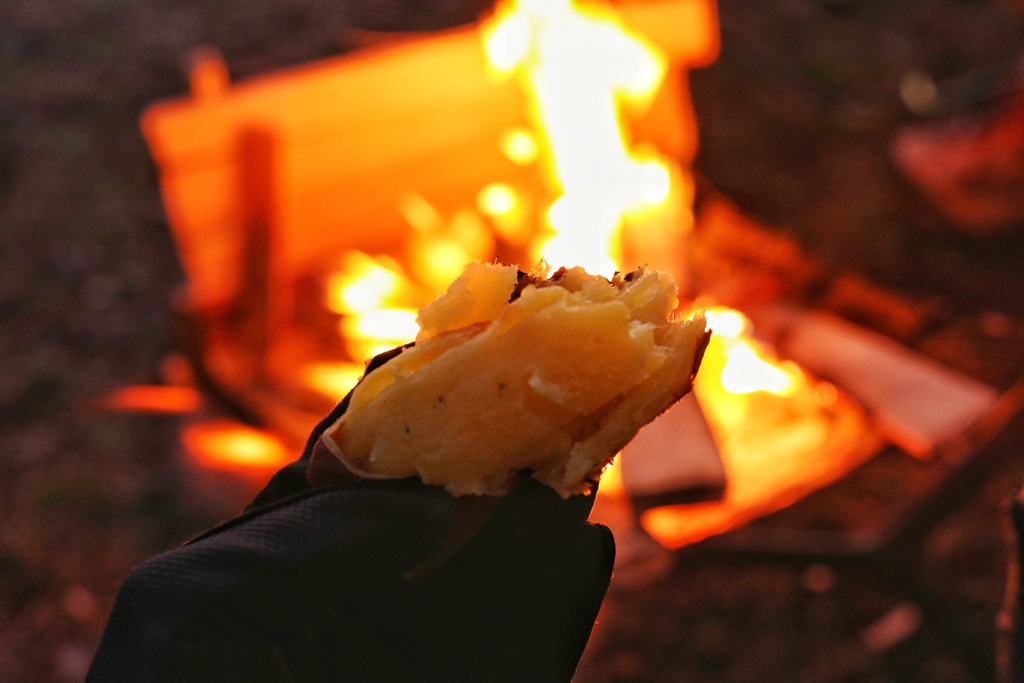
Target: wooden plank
{"x": 917, "y": 403}
{"x": 351, "y": 135}
{"x": 674, "y": 456}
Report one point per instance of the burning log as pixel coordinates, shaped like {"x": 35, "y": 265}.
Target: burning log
{"x": 781, "y": 433}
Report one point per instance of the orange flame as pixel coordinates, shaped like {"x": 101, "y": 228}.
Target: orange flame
{"x": 333, "y": 379}
{"x": 152, "y": 398}
{"x": 440, "y": 249}
{"x": 745, "y": 367}
{"x": 365, "y": 291}
{"x": 227, "y": 445}
{"x": 736, "y": 367}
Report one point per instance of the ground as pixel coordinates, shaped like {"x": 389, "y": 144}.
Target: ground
{"x": 796, "y": 116}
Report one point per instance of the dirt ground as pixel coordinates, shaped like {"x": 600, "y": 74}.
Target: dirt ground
{"x": 796, "y": 117}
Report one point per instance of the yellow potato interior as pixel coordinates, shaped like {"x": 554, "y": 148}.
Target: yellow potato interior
{"x": 491, "y": 390}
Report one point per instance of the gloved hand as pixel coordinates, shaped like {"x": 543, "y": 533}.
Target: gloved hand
{"x": 368, "y": 581}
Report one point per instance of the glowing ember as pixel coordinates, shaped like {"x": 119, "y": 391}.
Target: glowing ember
{"x": 222, "y": 444}
{"x": 364, "y": 284}
{"x": 151, "y": 398}
{"x": 333, "y": 379}
{"x": 366, "y": 292}
{"x": 579, "y": 67}
{"x": 497, "y": 199}
{"x": 520, "y": 146}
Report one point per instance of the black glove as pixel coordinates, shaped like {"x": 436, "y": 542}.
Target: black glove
{"x": 369, "y": 581}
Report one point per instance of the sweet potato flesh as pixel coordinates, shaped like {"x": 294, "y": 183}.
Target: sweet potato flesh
{"x": 555, "y": 382}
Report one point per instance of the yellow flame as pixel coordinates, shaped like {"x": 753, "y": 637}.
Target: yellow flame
{"x": 497, "y": 199}
{"x": 223, "y": 444}
{"x": 377, "y": 331}
{"x": 507, "y": 209}
{"x": 363, "y": 284}
{"x": 387, "y": 324}
{"x": 745, "y": 372}
{"x": 333, "y": 379}
{"x": 440, "y": 249}
{"x": 438, "y": 260}
{"x": 367, "y": 291}
{"x": 520, "y": 146}
{"x": 611, "y": 479}
{"x": 579, "y": 65}
{"x": 739, "y": 380}
{"x": 737, "y": 363}
{"x": 726, "y": 323}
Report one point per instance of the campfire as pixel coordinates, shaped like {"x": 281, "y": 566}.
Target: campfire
{"x": 316, "y": 210}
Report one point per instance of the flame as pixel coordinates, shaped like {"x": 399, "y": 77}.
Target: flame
{"x": 520, "y": 146}
{"x": 227, "y": 445}
{"x": 506, "y": 208}
{"x": 363, "y": 284}
{"x": 366, "y": 292}
{"x": 781, "y": 434}
{"x": 611, "y": 479}
{"x": 333, "y": 379}
{"x": 378, "y": 331}
{"x": 583, "y": 74}
{"x": 497, "y": 199}
{"x": 726, "y": 323}
{"x": 580, "y": 67}
{"x": 746, "y": 372}
{"x": 439, "y": 249}
{"x": 736, "y": 370}
{"x": 745, "y": 368}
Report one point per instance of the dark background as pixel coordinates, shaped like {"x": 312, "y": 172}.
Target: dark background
{"x": 796, "y": 117}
